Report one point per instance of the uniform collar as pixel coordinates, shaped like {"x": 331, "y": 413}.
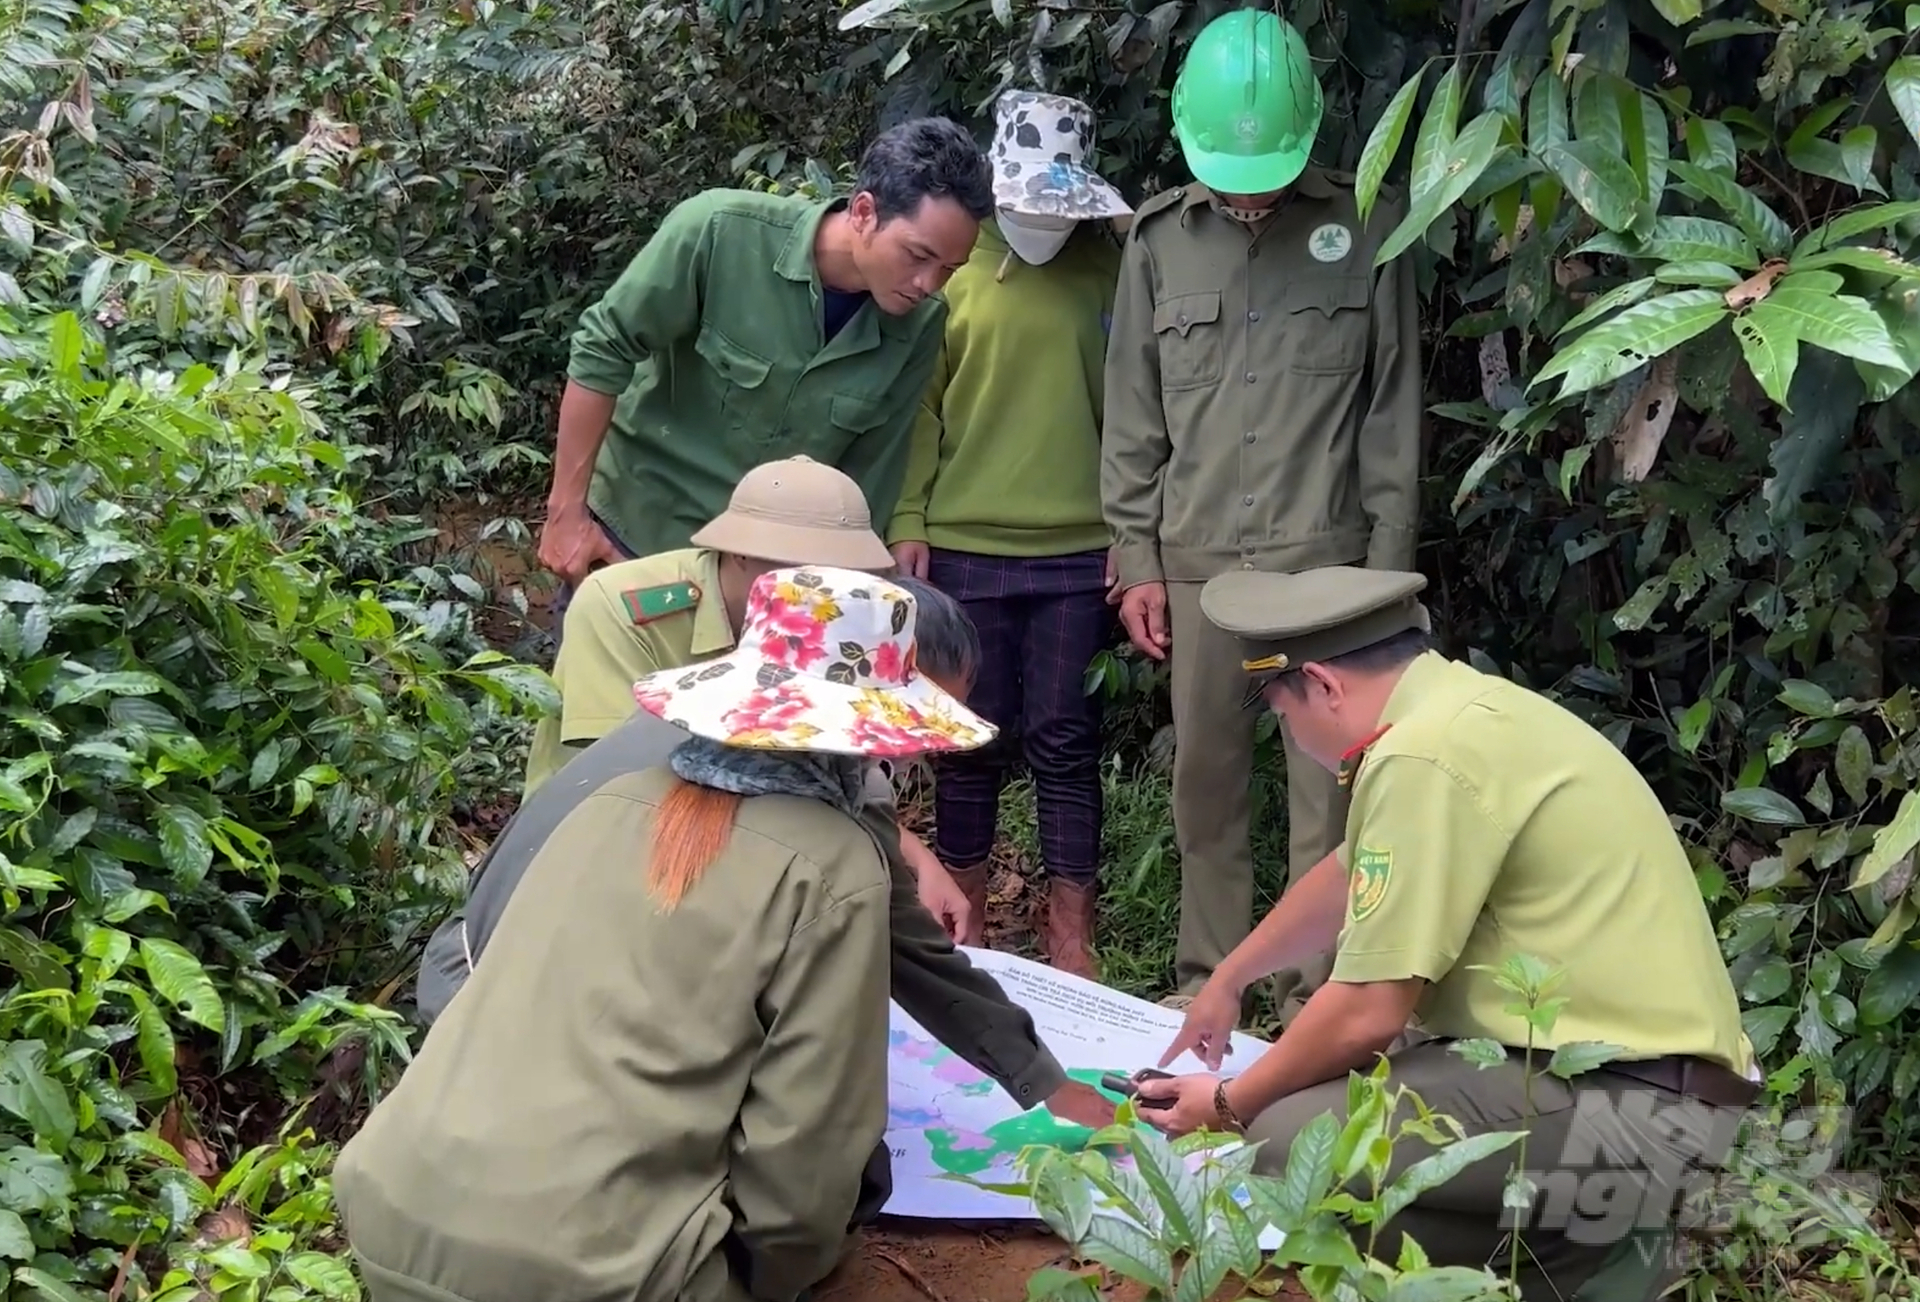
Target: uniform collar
{"x": 1312, "y": 183}
{"x": 1415, "y": 681}
{"x": 712, "y": 632}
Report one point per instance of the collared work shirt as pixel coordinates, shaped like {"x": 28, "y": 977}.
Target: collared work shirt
{"x": 1488, "y": 821}
{"x": 636, "y": 1105}
{"x": 715, "y": 342}
{"x": 1263, "y": 390}
{"x": 611, "y": 641}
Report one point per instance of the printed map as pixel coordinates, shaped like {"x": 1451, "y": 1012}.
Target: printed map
{"x": 946, "y": 1119}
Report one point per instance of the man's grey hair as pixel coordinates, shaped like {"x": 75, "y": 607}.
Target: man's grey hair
{"x": 926, "y": 158}
{"x": 947, "y": 645}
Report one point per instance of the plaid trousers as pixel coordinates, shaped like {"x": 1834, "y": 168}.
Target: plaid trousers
{"x": 1041, "y": 621}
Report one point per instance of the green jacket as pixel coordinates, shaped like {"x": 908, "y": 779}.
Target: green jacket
{"x": 632, "y": 1105}
{"x": 714, "y": 341}
{"x": 938, "y": 986}
{"x": 1264, "y": 390}
{"x": 1006, "y": 454}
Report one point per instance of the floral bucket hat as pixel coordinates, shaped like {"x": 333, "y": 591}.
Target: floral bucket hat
{"x": 824, "y": 663}
{"x": 1039, "y": 156}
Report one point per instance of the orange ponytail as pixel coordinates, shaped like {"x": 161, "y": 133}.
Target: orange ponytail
{"x": 690, "y": 829}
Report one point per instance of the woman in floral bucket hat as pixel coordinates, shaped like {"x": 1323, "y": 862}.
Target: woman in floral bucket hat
{"x": 1001, "y": 505}
{"x": 669, "y": 1076}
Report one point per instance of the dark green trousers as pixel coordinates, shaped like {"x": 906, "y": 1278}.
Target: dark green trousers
{"x": 1613, "y": 1160}
{"x": 1212, "y": 802}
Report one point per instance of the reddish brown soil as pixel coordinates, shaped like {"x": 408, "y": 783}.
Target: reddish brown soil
{"x": 921, "y": 1261}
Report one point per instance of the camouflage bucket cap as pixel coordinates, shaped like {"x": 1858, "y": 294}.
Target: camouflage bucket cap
{"x": 1039, "y": 156}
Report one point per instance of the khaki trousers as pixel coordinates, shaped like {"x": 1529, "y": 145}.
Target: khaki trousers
{"x": 1613, "y": 1160}
{"x": 1212, "y": 803}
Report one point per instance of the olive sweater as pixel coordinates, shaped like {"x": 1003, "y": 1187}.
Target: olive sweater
{"x": 1005, "y": 459}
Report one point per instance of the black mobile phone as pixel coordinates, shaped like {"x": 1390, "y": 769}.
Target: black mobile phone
{"x": 1129, "y": 1087}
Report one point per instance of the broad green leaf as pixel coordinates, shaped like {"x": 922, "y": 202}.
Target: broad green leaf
{"x": 1309, "y": 1175}
{"x": 1772, "y": 355}
{"x": 1632, "y": 339}
{"x": 28, "y": 1092}
{"x": 1879, "y": 262}
{"x": 1678, "y": 12}
{"x": 1717, "y": 274}
{"x": 1808, "y": 698}
{"x": 1710, "y": 146}
{"x": 1601, "y": 183}
{"x": 1891, "y": 843}
{"x": 1758, "y": 222}
{"x": 48, "y": 1285}
{"x": 16, "y": 1241}
{"x": 1857, "y": 150}
{"x": 32, "y": 1181}
{"x": 1322, "y": 1242}
{"x": 1853, "y": 763}
{"x": 1680, "y": 239}
{"x": 1903, "y": 89}
{"x": 1481, "y": 1053}
{"x": 1839, "y": 323}
{"x": 1128, "y": 1250}
{"x": 1901, "y": 312}
{"x": 1052, "y": 1282}
{"x": 1579, "y": 1056}
{"x": 1596, "y": 114}
{"x": 1881, "y": 216}
{"x": 65, "y": 343}
{"x": 1821, "y": 408}
{"x": 1172, "y": 1185}
{"x": 1383, "y": 145}
{"x": 184, "y": 844}
{"x": 1447, "y": 1283}
{"x": 1619, "y": 296}
{"x": 870, "y": 14}
{"x": 1769, "y": 981}
{"x": 1464, "y": 162}
{"x": 178, "y": 977}
{"x": 1759, "y": 805}
{"x": 1891, "y": 988}
{"x": 1434, "y": 140}
{"x": 1546, "y": 115}
{"x": 1435, "y": 1169}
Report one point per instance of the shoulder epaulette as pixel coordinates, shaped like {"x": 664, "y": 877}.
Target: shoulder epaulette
{"x": 1159, "y": 203}
{"x": 645, "y": 605}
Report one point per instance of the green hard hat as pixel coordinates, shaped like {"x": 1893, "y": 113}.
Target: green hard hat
{"x": 1246, "y": 106}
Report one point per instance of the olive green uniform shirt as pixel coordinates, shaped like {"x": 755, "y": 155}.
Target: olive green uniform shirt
{"x": 623, "y": 1090}
{"x": 714, "y": 341}
{"x": 1489, "y": 821}
{"x": 1263, "y": 389}
{"x": 627, "y": 620}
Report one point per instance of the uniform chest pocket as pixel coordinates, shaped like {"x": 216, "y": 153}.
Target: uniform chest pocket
{"x": 1329, "y": 324}
{"x": 850, "y": 417}
{"x": 738, "y": 373}
{"x": 1192, "y": 346}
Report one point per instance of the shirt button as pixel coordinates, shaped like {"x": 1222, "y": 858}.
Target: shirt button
{"x": 1253, "y": 316}
{"x": 1250, "y": 377}
{"x": 1249, "y": 436}
{"x": 1182, "y": 321}
{"x": 1247, "y": 566}
{"x": 1247, "y": 501}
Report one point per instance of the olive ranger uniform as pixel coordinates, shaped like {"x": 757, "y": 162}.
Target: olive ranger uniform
{"x": 1488, "y": 821}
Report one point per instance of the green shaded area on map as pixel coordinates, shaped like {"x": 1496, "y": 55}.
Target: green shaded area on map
{"x": 965, "y": 1152}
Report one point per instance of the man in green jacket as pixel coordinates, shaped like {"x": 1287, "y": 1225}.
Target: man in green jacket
{"x": 755, "y": 326}
{"x": 1263, "y": 413}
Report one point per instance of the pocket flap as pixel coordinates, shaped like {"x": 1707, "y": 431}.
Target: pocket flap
{"x": 1326, "y": 296}
{"x": 736, "y": 365}
{"x": 1183, "y": 312}
{"x": 851, "y": 411}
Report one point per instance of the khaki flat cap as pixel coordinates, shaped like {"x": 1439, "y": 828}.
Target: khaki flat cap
{"x": 798, "y": 512}
{"x": 1284, "y": 621}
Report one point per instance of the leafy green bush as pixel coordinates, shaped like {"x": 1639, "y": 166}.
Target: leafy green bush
{"x": 222, "y": 767}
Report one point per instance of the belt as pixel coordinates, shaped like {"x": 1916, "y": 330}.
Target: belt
{"x": 1682, "y": 1074}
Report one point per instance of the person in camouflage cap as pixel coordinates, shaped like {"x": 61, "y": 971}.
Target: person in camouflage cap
{"x": 1001, "y": 504}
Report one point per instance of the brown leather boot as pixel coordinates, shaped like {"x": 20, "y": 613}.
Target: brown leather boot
{"x": 1070, "y": 910}
{"x": 973, "y": 884}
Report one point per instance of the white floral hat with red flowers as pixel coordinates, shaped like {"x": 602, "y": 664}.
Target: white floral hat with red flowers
{"x": 825, "y": 663}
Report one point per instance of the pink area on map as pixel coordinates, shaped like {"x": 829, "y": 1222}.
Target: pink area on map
{"x": 957, "y": 1071}
{"x": 961, "y": 1140}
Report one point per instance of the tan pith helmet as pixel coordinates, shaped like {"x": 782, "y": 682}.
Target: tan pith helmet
{"x": 797, "y": 512}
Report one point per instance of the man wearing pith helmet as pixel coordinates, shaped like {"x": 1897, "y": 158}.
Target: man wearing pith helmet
{"x": 1263, "y": 409}
{"x": 1486, "y": 822}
